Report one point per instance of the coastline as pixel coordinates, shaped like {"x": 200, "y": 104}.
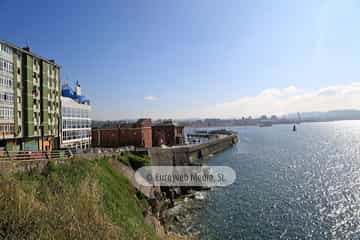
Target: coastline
{"x": 274, "y": 123}
{"x": 183, "y": 217}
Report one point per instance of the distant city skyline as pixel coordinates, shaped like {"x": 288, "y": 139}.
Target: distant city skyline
{"x": 280, "y": 102}
{"x": 197, "y": 59}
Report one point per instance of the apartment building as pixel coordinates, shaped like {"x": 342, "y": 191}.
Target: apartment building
{"x": 75, "y": 118}
{"x": 29, "y": 100}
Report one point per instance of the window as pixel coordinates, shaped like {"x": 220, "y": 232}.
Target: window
{"x": 7, "y": 128}
{"x": 6, "y": 97}
{"x": 6, "y": 113}
{"x": 6, "y": 66}
{"x": 5, "y": 49}
{"x": 6, "y": 82}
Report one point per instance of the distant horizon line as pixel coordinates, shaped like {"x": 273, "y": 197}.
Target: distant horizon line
{"x": 227, "y": 118}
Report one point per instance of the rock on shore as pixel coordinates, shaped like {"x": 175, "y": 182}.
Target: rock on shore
{"x": 183, "y": 217}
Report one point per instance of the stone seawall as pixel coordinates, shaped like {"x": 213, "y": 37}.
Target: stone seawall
{"x": 188, "y": 154}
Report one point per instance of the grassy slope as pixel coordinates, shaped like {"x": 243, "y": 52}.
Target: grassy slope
{"x": 81, "y": 200}
{"x": 121, "y": 204}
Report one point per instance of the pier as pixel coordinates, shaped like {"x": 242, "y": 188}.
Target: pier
{"x": 187, "y": 155}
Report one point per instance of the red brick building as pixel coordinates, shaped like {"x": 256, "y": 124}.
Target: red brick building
{"x": 138, "y": 134}
{"x": 168, "y": 133}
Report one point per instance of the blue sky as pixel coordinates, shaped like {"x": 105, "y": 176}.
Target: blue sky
{"x": 189, "y": 58}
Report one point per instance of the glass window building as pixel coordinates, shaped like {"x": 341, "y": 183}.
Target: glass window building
{"x": 75, "y": 119}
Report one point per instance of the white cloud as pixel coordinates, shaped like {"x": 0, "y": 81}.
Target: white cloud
{"x": 285, "y": 100}
{"x": 150, "y": 98}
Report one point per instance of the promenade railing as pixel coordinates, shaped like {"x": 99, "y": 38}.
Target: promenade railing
{"x": 31, "y": 156}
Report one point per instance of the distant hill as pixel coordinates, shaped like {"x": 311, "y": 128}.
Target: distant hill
{"x": 344, "y": 114}
{"x": 336, "y": 115}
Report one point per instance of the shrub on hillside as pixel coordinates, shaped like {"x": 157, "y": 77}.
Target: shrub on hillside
{"x": 137, "y": 162}
{"x": 133, "y": 160}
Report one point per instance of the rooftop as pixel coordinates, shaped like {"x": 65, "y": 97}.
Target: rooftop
{"x": 167, "y": 123}
{"x": 49, "y": 61}
{"x": 75, "y": 94}
{"x": 69, "y": 102}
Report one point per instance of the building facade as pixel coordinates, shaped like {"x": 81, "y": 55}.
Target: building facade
{"x": 138, "y": 134}
{"x": 167, "y": 133}
{"x": 29, "y": 100}
{"x": 75, "y": 118}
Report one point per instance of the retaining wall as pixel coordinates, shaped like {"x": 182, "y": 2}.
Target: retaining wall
{"x": 188, "y": 154}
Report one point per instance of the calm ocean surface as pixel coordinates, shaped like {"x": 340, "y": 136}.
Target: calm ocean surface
{"x": 290, "y": 185}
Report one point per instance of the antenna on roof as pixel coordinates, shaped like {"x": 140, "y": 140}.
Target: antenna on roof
{"x": 27, "y": 47}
